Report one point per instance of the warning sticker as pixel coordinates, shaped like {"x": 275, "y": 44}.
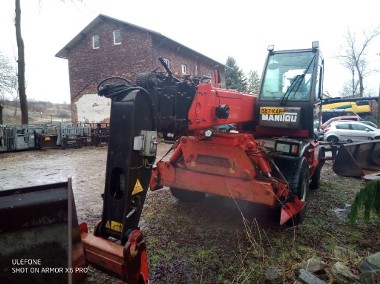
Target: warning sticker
{"x": 114, "y": 226}
{"x": 138, "y": 188}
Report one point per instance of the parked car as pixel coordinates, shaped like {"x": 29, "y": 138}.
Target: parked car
{"x": 350, "y": 131}
{"x": 339, "y": 118}
{"x": 370, "y": 123}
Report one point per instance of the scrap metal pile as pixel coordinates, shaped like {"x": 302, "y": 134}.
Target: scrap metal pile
{"x": 43, "y": 136}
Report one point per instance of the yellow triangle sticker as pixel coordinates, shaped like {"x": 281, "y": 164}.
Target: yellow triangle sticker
{"x": 138, "y": 188}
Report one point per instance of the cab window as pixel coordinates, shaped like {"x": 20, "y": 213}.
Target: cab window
{"x": 288, "y": 76}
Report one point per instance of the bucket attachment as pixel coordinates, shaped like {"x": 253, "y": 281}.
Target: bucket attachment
{"x": 358, "y": 159}
{"x": 39, "y": 235}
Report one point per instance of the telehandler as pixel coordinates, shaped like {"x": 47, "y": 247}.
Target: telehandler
{"x": 260, "y": 148}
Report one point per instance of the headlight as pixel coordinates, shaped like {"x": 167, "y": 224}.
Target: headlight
{"x": 290, "y": 147}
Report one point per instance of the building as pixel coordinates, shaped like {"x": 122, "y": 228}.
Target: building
{"x": 109, "y": 47}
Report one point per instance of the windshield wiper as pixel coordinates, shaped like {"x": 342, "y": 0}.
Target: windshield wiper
{"x": 296, "y": 83}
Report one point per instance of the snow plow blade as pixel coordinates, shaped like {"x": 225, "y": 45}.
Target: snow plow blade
{"x": 358, "y": 160}
{"x": 39, "y": 235}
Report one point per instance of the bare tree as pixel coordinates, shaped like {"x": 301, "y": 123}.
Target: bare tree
{"x": 8, "y": 81}
{"x": 8, "y": 77}
{"x": 21, "y": 63}
{"x": 21, "y": 66}
{"x": 354, "y": 57}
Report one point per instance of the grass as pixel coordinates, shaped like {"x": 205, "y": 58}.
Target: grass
{"x": 208, "y": 242}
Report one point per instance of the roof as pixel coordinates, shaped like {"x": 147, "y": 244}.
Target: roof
{"x": 63, "y": 53}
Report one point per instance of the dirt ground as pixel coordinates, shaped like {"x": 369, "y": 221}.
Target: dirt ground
{"x": 209, "y": 242}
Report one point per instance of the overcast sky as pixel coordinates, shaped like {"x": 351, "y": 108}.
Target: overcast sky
{"x": 218, "y": 29}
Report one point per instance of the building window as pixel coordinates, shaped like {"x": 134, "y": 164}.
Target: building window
{"x": 184, "y": 68}
{"x": 167, "y": 62}
{"x": 95, "y": 41}
{"x": 116, "y": 37}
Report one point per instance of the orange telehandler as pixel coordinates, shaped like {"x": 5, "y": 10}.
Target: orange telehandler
{"x": 264, "y": 149}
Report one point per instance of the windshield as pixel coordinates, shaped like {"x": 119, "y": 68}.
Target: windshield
{"x": 288, "y": 76}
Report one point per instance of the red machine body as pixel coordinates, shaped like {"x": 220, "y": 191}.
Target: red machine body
{"x": 202, "y": 114}
{"x": 256, "y": 148}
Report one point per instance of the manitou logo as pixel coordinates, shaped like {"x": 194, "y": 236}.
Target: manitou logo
{"x": 286, "y": 117}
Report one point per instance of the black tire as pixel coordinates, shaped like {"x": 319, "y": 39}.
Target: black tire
{"x": 316, "y": 178}
{"x": 333, "y": 139}
{"x": 97, "y": 229}
{"x": 186, "y": 195}
{"x": 300, "y": 187}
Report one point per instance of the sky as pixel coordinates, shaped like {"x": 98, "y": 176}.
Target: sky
{"x": 241, "y": 29}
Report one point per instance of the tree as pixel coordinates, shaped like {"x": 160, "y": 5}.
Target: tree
{"x": 8, "y": 77}
{"x": 366, "y": 200}
{"x": 21, "y": 65}
{"x": 8, "y": 81}
{"x": 253, "y": 82}
{"x": 235, "y": 78}
{"x": 354, "y": 58}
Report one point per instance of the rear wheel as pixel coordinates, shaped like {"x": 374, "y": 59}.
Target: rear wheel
{"x": 186, "y": 195}
{"x": 333, "y": 139}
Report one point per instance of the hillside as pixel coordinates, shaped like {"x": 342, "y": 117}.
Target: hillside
{"x": 39, "y": 112}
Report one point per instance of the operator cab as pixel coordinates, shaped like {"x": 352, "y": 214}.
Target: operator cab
{"x": 289, "y": 102}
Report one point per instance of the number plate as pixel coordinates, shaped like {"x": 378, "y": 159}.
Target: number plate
{"x": 272, "y": 110}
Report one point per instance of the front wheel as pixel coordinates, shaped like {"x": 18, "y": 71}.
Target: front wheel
{"x": 316, "y": 178}
{"x": 300, "y": 188}
{"x": 186, "y": 195}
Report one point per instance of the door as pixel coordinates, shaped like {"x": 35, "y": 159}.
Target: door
{"x": 360, "y": 132}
